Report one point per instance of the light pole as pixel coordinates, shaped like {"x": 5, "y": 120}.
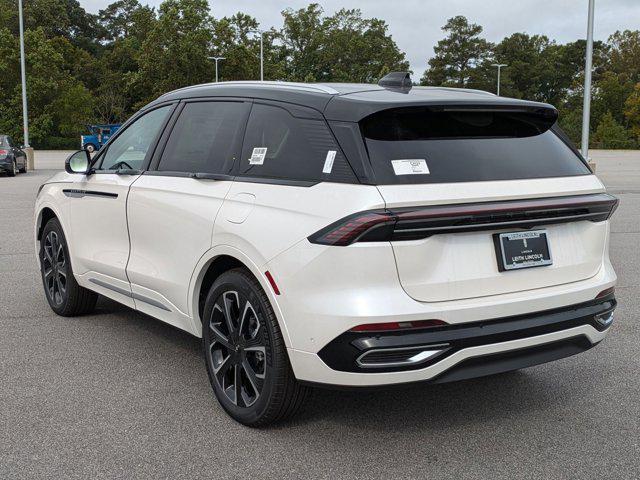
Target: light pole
{"x": 216, "y": 59}
{"x": 499, "y": 65}
{"x": 261, "y": 32}
{"x": 25, "y": 119}
{"x": 586, "y": 107}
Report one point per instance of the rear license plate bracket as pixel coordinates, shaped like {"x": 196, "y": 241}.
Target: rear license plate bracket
{"x": 523, "y": 249}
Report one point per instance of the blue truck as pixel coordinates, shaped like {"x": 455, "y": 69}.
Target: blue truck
{"x": 99, "y": 135}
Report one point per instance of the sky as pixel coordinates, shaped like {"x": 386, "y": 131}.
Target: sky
{"x": 416, "y": 25}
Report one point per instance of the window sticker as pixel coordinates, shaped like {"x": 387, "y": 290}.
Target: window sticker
{"x": 257, "y": 156}
{"x": 412, "y": 166}
{"x": 328, "y": 162}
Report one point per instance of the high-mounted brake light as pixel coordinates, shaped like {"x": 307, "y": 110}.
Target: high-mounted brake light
{"x": 390, "y": 326}
{"x": 420, "y": 222}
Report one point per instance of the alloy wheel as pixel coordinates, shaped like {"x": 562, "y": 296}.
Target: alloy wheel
{"x": 54, "y": 267}
{"x": 237, "y": 349}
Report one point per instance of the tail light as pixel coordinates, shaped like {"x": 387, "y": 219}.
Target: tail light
{"x": 390, "y": 326}
{"x": 3, "y": 152}
{"x": 420, "y": 222}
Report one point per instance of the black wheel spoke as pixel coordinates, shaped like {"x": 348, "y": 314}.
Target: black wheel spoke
{"x": 219, "y": 337}
{"x": 255, "y": 380}
{"x": 54, "y": 268}
{"x": 236, "y": 346}
{"x": 229, "y": 299}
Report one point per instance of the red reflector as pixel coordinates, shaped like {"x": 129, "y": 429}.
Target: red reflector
{"x": 377, "y": 327}
{"x": 606, "y": 293}
{"x": 276, "y": 290}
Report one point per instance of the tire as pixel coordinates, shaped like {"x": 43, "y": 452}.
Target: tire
{"x": 13, "y": 170}
{"x": 90, "y": 147}
{"x": 242, "y": 341}
{"x": 65, "y": 296}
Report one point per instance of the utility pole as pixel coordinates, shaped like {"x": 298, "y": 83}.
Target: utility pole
{"x": 216, "y": 59}
{"x": 586, "y": 107}
{"x": 499, "y": 65}
{"x": 25, "y": 117}
{"x": 261, "y": 33}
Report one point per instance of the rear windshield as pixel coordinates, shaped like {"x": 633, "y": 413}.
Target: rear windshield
{"x": 421, "y": 145}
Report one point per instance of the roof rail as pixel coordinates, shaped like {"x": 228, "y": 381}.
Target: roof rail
{"x": 268, "y": 84}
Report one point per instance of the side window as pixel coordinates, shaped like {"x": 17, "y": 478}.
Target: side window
{"x": 130, "y": 148}
{"x": 206, "y": 138}
{"x": 10, "y": 142}
{"x": 280, "y": 146}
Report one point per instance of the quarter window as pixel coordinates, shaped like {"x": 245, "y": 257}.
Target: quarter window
{"x": 280, "y": 146}
{"x": 206, "y": 138}
{"x": 130, "y": 148}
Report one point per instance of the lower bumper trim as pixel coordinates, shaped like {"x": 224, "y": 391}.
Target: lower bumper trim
{"x": 513, "y": 360}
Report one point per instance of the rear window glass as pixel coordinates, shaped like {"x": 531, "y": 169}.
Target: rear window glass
{"x": 278, "y": 145}
{"x": 419, "y": 145}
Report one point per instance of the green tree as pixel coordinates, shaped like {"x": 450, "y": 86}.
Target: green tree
{"x": 123, "y": 19}
{"x": 59, "y": 104}
{"x": 236, "y": 39}
{"x": 344, "y": 47}
{"x": 632, "y": 111}
{"x": 624, "y": 56}
{"x": 458, "y": 55}
{"x": 174, "y": 54}
{"x": 611, "y": 135}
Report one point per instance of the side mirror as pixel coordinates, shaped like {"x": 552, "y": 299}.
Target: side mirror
{"x": 78, "y": 162}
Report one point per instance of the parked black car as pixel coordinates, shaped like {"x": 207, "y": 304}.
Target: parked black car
{"x": 12, "y": 158}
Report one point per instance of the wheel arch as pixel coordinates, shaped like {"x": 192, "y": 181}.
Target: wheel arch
{"x": 44, "y": 215}
{"x": 214, "y": 263}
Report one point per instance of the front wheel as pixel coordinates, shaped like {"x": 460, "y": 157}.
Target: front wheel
{"x": 63, "y": 293}
{"x": 245, "y": 354}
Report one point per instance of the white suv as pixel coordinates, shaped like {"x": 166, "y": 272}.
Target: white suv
{"x": 337, "y": 235}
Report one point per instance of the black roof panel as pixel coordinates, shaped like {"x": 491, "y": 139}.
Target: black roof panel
{"x": 348, "y": 101}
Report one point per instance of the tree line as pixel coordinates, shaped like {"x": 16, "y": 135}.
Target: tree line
{"x": 87, "y": 68}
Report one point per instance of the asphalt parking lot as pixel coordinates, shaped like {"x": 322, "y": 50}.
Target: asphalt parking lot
{"x": 120, "y": 395}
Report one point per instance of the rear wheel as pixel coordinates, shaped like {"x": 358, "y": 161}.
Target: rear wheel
{"x": 245, "y": 354}
{"x": 63, "y": 293}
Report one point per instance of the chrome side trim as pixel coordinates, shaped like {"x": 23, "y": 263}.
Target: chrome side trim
{"x": 135, "y": 296}
{"x": 75, "y": 193}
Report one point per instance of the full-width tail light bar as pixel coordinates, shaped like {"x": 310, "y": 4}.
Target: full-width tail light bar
{"x": 420, "y": 222}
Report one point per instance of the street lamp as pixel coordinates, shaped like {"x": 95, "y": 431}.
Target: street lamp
{"x": 216, "y": 59}
{"x": 25, "y": 120}
{"x": 261, "y": 32}
{"x": 586, "y": 107}
{"x": 499, "y": 65}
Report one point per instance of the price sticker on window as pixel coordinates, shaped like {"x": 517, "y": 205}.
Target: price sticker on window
{"x": 257, "y": 156}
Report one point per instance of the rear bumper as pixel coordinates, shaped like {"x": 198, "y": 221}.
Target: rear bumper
{"x": 465, "y": 350}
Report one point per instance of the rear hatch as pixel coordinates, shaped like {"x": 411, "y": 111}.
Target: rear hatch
{"x": 455, "y": 178}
